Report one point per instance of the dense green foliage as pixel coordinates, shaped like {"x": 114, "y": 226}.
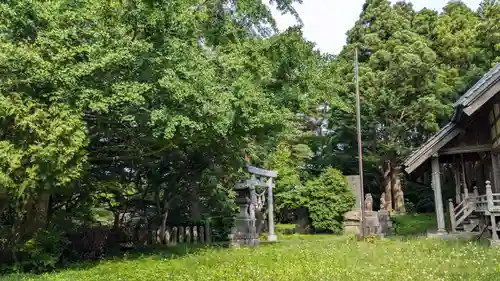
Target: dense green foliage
{"x": 118, "y": 117}
{"x": 326, "y": 198}
{"x": 413, "y": 224}
{"x": 305, "y": 259}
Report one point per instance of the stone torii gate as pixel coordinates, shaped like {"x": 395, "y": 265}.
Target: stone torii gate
{"x": 249, "y": 200}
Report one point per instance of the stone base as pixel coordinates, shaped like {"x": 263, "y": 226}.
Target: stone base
{"x": 272, "y": 238}
{"x": 385, "y": 221}
{"x": 372, "y": 223}
{"x": 352, "y": 229}
{"x": 375, "y": 223}
{"x": 237, "y": 243}
{"x": 494, "y": 243}
{"x": 352, "y": 223}
{"x": 436, "y": 234}
{"x": 243, "y": 233}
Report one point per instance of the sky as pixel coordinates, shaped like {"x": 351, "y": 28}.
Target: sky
{"x": 326, "y": 21}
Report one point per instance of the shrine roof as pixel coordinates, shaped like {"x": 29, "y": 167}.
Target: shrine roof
{"x": 466, "y": 105}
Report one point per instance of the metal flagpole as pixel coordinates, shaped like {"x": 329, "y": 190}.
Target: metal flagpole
{"x": 360, "y": 144}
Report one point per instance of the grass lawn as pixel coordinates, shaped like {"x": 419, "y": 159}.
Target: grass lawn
{"x": 313, "y": 258}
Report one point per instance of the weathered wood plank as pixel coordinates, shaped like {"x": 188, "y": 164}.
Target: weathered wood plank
{"x": 488, "y": 94}
{"x": 465, "y": 149}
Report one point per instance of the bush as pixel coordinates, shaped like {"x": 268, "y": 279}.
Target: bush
{"x": 94, "y": 243}
{"x": 413, "y": 224}
{"x": 40, "y": 253}
{"x": 327, "y": 198}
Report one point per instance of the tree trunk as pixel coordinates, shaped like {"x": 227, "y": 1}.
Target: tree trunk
{"x": 116, "y": 220}
{"x": 36, "y": 213}
{"x": 163, "y": 228}
{"x": 387, "y": 185}
{"x": 195, "y": 208}
{"x": 150, "y": 232}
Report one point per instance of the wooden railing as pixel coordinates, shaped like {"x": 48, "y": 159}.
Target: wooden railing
{"x": 459, "y": 213}
{"x": 490, "y": 202}
{"x": 487, "y": 203}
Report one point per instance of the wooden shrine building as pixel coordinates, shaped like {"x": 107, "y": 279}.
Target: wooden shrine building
{"x": 468, "y": 148}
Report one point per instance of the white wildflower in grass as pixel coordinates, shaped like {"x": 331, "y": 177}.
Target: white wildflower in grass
{"x": 322, "y": 258}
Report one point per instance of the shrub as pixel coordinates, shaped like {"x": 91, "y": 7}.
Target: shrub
{"x": 40, "y": 253}
{"x": 327, "y": 198}
{"x": 94, "y": 242}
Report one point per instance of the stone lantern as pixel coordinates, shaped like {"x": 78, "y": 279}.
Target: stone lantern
{"x": 244, "y": 231}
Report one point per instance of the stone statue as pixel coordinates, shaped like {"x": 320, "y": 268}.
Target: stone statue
{"x": 400, "y": 202}
{"x": 368, "y": 202}
{"x": 383, "y": 202}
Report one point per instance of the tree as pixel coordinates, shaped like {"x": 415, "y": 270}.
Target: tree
{"x": 138, "y": 103}
{"x": 400, "y": 86}
{"x": 488, "y": 36}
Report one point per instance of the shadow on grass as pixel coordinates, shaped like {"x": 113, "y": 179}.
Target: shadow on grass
{"x": 161, "y": 252}
{"x": 158, "y": 252}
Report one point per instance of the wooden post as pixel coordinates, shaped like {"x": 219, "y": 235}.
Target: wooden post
{"x": 168, "y": 235}
{"x": 187, "y": 235}
{"x": 175, "y": 235}
{"x": 452, "y": 215}
{"x": 464, "y": 180}
{"x": 489, "y": 196}
{"x": 196, "y": 237}
{"x": 494, "y": 169}
{"x": 201, "y": 230}
{"x": 494, "y": 234}
{"x": 473, "y": 201}
{"x": 438, "y": 199}
{"x": 208, "y": 236}
{"x": 456, "y": 175}
{"x": 476, "y": 192}
{"x": 182, "y": 233}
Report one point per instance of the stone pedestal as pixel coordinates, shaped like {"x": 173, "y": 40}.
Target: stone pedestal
{"x": 372, "y": 223}
{"x": 385, "y": 221}
{"x": 352, "y": 222}
{"x": 376, "y": 223}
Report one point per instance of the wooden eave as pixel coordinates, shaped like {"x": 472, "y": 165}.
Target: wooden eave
{"x": 479, "y": 94}
{"x": 431, "y": 146}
